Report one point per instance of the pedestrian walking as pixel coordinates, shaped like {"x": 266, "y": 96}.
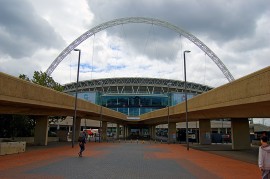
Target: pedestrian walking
{"x": 264, "y": 158}
{"x": 82, "y": 141}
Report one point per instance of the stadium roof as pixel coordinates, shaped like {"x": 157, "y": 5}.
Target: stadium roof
{"x": 135, "y": 85}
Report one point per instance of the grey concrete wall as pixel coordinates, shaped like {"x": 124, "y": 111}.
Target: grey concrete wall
{"x": 205, "y": 131}
{"x": 41, "y": 130}
{"x": 172, "y": 132}
{"x": 240, "y": 134}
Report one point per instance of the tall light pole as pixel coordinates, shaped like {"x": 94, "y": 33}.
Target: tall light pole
{"x": 186, "y": 51}
{"x": 168, "y": 104}
{"x": 100, "y": 130}
{"x": 76, "y": 97}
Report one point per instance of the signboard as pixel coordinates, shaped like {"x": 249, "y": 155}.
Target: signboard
{"x": 191, "y": 136}
{"x": 133, "y": 118}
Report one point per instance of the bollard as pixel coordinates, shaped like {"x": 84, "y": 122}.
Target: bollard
{"x": 137, "y": 141}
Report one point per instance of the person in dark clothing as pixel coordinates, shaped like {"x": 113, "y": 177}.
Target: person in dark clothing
{"x": 82, "y": 142}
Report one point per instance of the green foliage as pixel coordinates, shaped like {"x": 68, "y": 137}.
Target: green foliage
{"x": 41, "y": 78}
{"x": 16, "y": 126}
{"x": 24, "y": 77}
{"x": 54, "y": 119}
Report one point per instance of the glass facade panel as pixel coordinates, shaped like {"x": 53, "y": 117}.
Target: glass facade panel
{"x": 88, "y": 96}
{"x": 133, "y": 112}
{"x": 123, "y": 110}
{"x": 134, "y": 105}
{"x": 180, "y": 97}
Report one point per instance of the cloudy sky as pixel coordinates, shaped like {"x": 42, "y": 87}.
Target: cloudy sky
{"x": 34, "y": 32}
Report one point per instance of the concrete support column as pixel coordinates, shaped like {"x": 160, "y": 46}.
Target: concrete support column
{"x": 127, "y": 129}
{"x": 240, "y": 133}
{"x": 124, "y": 131}
{"x": 41, "y": 130}
{"x": 77, "y": 128}
{"x": 117, "y": 131}
{"x": 104, "y": 131}
{"x": 151, "y": 129}
{"x": 154, "y": 132}
{"x": 205, "y": 131}
{"x": 172, "y": 132}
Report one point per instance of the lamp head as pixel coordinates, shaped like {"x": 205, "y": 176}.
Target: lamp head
{"x": 187, "y": 51}
{"x": 77, "y": 49}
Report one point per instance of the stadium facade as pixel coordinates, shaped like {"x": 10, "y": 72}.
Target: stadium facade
{"x": 135, "y": 96}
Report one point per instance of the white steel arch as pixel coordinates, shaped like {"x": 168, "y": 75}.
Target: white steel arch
{"x": 143, "y": 20}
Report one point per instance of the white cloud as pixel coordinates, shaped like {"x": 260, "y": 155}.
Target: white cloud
{"x": 238, "y": 38}
{"x": 69, "y": 18}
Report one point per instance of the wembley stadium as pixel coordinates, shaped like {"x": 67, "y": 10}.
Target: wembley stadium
{"x": 135, "y": 96}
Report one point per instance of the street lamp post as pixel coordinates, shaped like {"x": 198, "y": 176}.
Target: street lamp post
{"x": 168, "y": 112}
{"x": 100, "y": 123}
{"x": 76, "y": 97}
{"x": 186, "y": 51}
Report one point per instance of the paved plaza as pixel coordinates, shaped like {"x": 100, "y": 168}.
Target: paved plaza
{"x": 126, "y": 160}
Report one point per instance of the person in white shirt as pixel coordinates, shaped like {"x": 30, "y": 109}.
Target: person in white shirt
{"x": 264, "y": 158}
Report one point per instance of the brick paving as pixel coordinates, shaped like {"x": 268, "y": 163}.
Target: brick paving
{"x": 123, "y": 160}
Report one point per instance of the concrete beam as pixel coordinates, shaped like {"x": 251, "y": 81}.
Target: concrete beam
{"x": 41, "y": 100}
{"x": 243, "y": 98}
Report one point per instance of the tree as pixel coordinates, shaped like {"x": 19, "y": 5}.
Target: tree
{"x": 24, "y": 77}
{"x": 23, "y": 126}
{"x": 16, "y": 125}
{"x": 43, "y": 79}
